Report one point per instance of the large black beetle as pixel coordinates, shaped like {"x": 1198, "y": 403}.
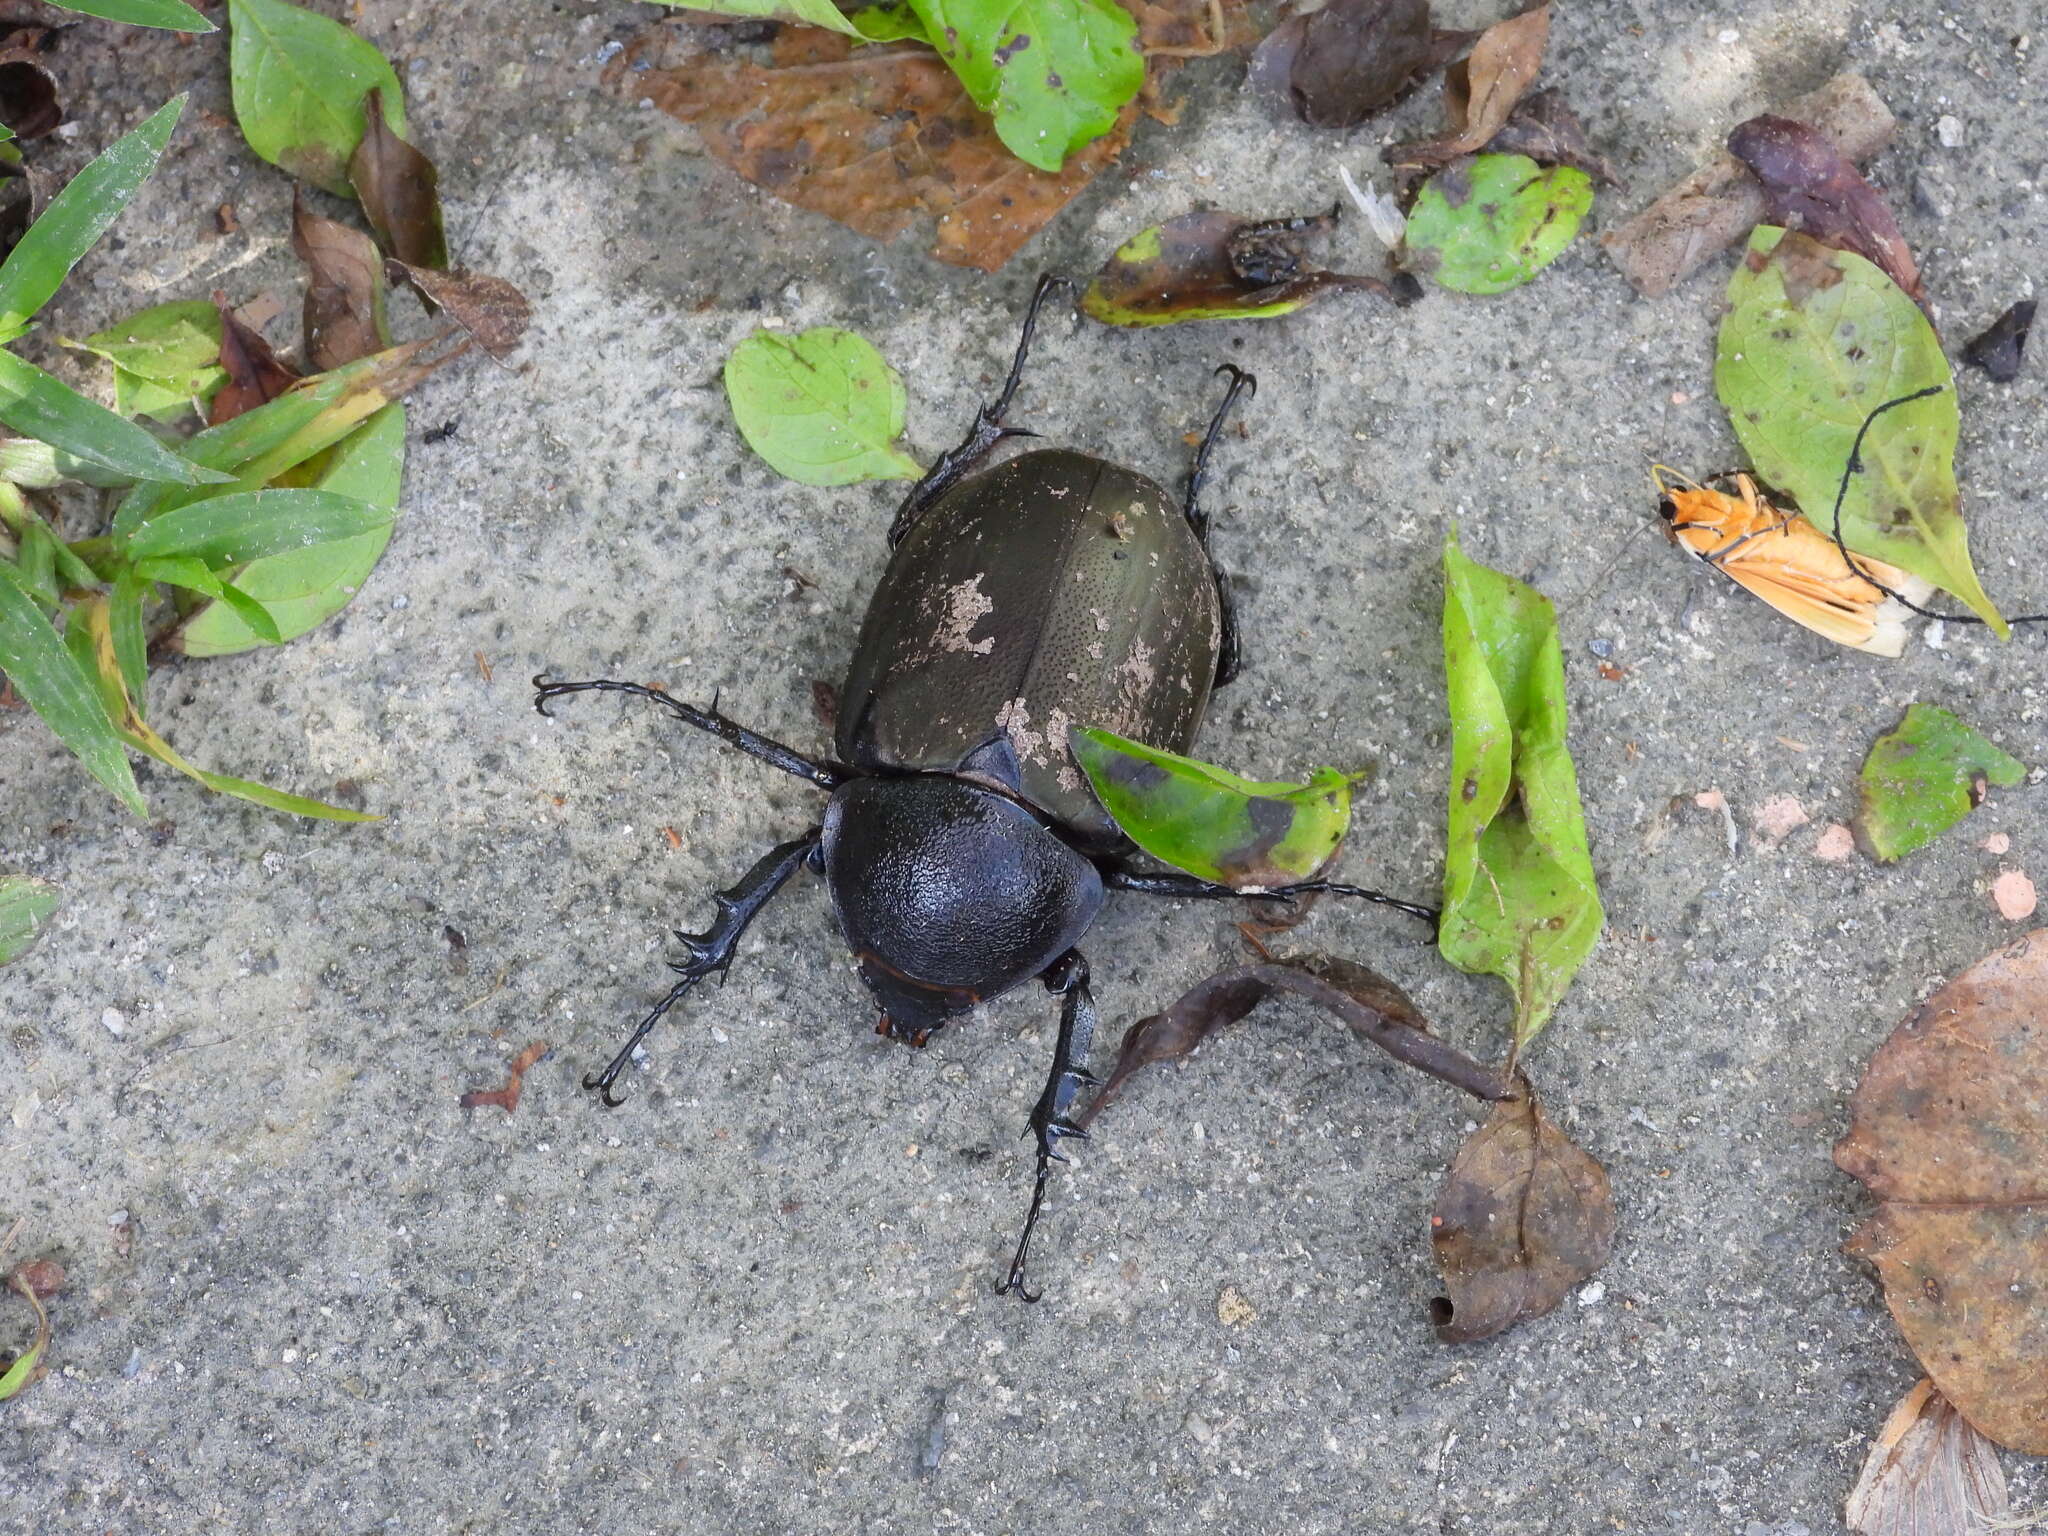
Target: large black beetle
{"x": 962, "y": 847}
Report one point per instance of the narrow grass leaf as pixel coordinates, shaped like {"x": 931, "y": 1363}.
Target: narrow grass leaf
{"x": 35, "y": 659}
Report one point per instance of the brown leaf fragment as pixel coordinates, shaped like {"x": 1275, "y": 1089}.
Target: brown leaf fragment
{"x": 1949, "y": 1129}
{"x": 43, "y": 1277}
{"x": 344, "y": 317}
{"x": 1722, "y": 202}
{"x": 255, "y": 375}
{"x": 2003, "y": 344}
{"x": 1481, "y": 89}
{"x": 507, "y": 1097}
{"x": 29, "y": 103}
{"x": 1929, "y": 1474}
{"x": 1811, "y": 186}
{"x": 1370, "y": 1005}
{"x": 399, "y": 189}
{"x": 489, "y": 308}
{"x": 1522, "y": 1217}
{"x": 1548, "y": 132}
{"x": 1340, "y": 65}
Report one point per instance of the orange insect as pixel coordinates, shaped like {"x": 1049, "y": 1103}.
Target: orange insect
{"x": 1789, "y": 563}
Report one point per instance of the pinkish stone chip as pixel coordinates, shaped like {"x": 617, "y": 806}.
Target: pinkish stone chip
{"x": 1836, "y": 844}
{"x": 1779, "y": 817}
{"x": 2014, "y": 894}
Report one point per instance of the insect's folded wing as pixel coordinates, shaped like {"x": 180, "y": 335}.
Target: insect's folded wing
{"x": 1801, "y": 574}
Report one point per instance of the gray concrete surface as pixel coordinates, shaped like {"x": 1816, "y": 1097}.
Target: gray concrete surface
{"x": 310, "y": 1293}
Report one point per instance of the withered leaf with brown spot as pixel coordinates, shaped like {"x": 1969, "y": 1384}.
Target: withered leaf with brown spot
{"x": 255, "y": 375}
{"x": 1523, "y": 1216}
{"x": 1929, "y": 1473}
{"x": 1353, "y": 58}
{"x": 1370, "y": 1005}
{"x": 344, "y": 317}
{"x": 399, "y": 188}
{"x": 1482, "y": 89}
{"x": 1811, "y": 186}
{"x": 1999, "y": 349}
{"x": 489, "y": 308}
{"x": 1548, "y": 132}
{"x": 29, "y": 103}
{"x": 1949, "y": 1129}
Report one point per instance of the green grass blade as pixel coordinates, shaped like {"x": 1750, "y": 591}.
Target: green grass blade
{"x": 51, "y": 411}
{"x": 35, "y": 659}
{"x": 170, "y": 15}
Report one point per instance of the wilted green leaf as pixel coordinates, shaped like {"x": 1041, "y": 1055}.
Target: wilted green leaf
{"x": 1519, "y": 898}
{"x": 822, "y": 408}
{"x": 25, "y": 902}
{"x": 1208, "y": 821}
{"x": 809, "y": 13}
{"x": 306, "y": 588}
{"x": 1814, "y": 340}
{"x": 1494, "y": 222}
{"x": 79, "y": 215}
{"x": 299, "y": 80}
{"x": 247, "y": 525}
{"x": 23, "y": 1369}
{"x": 51, "y": 411}
{"x": 170, "y": 15}
{"x": 1053, "y": 74}
{"x": 164, "y": 358}
{"x": 1925, "y": 777}
{"x": 35, "y": 659}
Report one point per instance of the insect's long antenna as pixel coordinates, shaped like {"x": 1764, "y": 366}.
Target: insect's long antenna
{"x": 1855, "y": 462}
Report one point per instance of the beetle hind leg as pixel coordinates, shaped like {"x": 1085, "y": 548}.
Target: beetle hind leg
{"x": 1228, "y": 656}
{"x": 1067, "y": 978}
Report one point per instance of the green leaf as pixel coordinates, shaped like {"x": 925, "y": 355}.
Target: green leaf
{"x": 35, "y": 659}
{"x": 299, "y": 81}
{"x": 1925, "y": 777}
{"x": 23, "y": 1370}
{"x": 79, "y": 215}
{"x": 164, "y": 358}
{"x": 1519, "y": 898}
{"x": 1208, "y": 821}
{"x": 170, "y": 15}
{"x": 822, "y": 408}
{"x": 1053, "y": 74}
{"x": 1814, "y": 340}
{"x": 24, "y": 461}
{"x": 247, "y": 525}
{"x": 891, "y": 22}
{"x": 51, "y": 411}
{"x": 131, "y": 645}
{"x": 1493, "y": 223}
{"x": 810, "y": 13}
{"x": 25, "y": 902}
{"x": 36, "y": 563}
{"x": 304, "y": 589}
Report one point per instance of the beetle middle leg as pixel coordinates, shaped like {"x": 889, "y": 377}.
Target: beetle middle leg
{"x": 711, "y": 952}
{"x": 1066, "y": 978}
{"x": 988, "y": 429}
{"x": 1173, "y": 883}
{"x": 1227, "y": 656}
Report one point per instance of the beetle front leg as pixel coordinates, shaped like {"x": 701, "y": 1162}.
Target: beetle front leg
{"x": 1067, "y": 978}
{"x": 711, "y": 952}
{"x": 988, "y": 430}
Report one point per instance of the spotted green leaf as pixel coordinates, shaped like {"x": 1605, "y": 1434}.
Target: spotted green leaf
{"x": 1923, "y": 778}
{"x": 25, "y": 905}
{"x": 1814, "y": 340}
{"x": 1519, "y": 896}
{"x": 1208, "y": 821}
{"x": 822, "y": 407}
{"x": 1492, "y": 223}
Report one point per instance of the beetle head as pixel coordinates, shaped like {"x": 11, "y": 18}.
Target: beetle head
{"x": 949, "y": 894}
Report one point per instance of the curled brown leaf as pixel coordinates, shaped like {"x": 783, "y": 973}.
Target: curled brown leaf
{"x": 1548, "y": 132}
{"x": 344, "y": 317}
{"x": 1811, "y": 186}
{"x": 1344, "y": 63}
{"x": 1523, "y": 1216}
{"x": 2001, "y": 346}
{"x": 1482, "y": 89}
{"x": 399, "y": 189}
{"x": 491, "y": 309}
{"x": 29, "y": 103}
{"x": 255, "y": 374}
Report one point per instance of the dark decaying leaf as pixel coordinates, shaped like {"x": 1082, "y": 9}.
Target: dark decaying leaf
{"x": 344, "y": 317}
{"x": 1215, "y": 265}
{"x": 1949, "y": 1129}
{"x": 1372, "y": 1006}
{"x": 24, "y": 191}
{"x": 1342, "y": 64}
{"x": 1722, "y": 202}
{"x": 1811, "y": 186}
{"x": 2000, "y": 348}
{"x": 1929, "y": 1473}
{"x": 1481, "y": 89}
{"x": 255, "y": 376}
{"x": 1548, "y": 132}
{"x": 489, "y": 308}
{"x": 29, "y": 105}
{"x": 1524, "y": 1214}
{"x": 398, "y": 187}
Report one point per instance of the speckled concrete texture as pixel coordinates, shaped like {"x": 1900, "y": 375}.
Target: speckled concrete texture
{"x": 309, "y": 1292}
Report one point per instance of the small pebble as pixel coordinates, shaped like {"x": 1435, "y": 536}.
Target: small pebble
{"x": 1949, "y": 130}
{"x": 1778, "y": 817}
{"x": 133, "y": 1367}
{"x": 115, "y": 1021}
{"x": 1592, "y": 1295}
{"x": 1997, "y": 842}
{"x": 2013, "y": 893}
{"x": 1232, "y": 1308}
{"x": 1836, "y": 844}
{"x": 1600, "y": 646}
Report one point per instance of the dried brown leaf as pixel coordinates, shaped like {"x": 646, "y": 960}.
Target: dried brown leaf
{"x": 1372, "y": 1006}
{"x": 44, "y": 1277}
{"x": 399, "y": 189}
{"x": 344, "y": 317}
{"x": 1929, "y": 1474}
{"x": 489, "y": 308}
{"x": 1548, "y": 132}
{"x": 1811, "y": 186}
{"x": 1949, "y": 1129}
{"x": 507, "y": 1097}
{"x": 1523, "y": 1216}
{"x": 1482, "y": 89}
{"x": 255, "y": 375}
{"x": 29, "y": 103}
{"x": 1353, "y": 58}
